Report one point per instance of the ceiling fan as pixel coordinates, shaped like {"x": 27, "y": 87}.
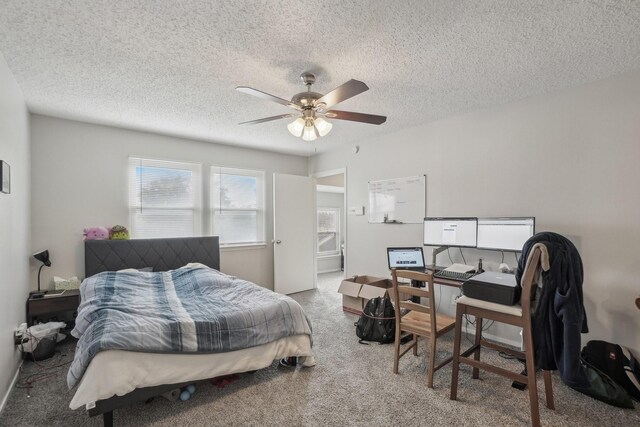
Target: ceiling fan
{"x": 313, "y": 108}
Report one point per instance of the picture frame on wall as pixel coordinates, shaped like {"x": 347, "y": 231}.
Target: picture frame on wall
{"x": 5, "y": 177}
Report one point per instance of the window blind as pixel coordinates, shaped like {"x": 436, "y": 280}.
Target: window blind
{"x": 237, "y": 205}
{"x": 165, "y": 198}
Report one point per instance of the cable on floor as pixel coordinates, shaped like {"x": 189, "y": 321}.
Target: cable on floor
{"x": 46, "y": 370}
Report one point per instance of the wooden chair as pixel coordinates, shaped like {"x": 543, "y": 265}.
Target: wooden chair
{"x": 420, "y": 321}
{"x": 514, "y": 315}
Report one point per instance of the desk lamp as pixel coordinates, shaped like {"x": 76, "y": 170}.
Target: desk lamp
{"x": 43, "y": 257}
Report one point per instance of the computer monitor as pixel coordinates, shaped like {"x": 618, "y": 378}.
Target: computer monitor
{"x": 505, "y": 234}
{"x": 459, "y": 232}
{"x": 405, "y": 258}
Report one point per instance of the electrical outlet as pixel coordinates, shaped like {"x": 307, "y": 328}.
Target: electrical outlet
{"x": 18, "y": 334}
{"x": 20, "y": 330}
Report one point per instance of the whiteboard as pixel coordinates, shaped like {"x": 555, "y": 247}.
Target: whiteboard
{"x": 399, "y": 200}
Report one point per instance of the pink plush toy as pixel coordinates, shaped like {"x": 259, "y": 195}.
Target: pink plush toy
{"x": 96, "y": 233}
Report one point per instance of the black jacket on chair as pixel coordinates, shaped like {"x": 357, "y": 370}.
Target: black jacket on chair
{"x": 559, "y": 316}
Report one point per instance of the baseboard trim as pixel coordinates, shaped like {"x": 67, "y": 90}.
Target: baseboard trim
{"x": 11, "y": 386}
{"x": 333, "y": 270}
{"x": 332, "y": 256}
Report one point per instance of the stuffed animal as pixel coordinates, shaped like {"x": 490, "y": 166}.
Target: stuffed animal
{"x": 96, "y": 233}
{"x": 118, "y": 232}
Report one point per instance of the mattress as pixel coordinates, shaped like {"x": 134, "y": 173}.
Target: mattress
{"x": 118, "y": 372}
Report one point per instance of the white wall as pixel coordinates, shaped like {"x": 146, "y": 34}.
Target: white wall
{"x": 331, "y": 200}
{"x": 80, "y": 179}
{"x": 15, "y": 242}
{"x": 570, "y": 159}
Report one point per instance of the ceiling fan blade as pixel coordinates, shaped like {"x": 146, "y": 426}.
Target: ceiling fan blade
{"x": 268, "y": 119}
{"x": 269, "y": 97}
{"x": 342, "y": 93}
{"x": 356, "y": 117}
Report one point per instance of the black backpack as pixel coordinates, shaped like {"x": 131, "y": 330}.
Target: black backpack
{"x": 616, "y": 362}
{"x": 377, "y": 322}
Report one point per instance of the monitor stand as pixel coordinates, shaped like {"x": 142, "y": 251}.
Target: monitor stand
{"x": 434, "y": 254}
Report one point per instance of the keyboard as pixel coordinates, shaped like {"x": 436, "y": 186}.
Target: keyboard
{"x": 453, "y": 275}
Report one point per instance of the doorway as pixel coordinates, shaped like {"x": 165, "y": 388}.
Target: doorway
{"x": 331, "y": 230}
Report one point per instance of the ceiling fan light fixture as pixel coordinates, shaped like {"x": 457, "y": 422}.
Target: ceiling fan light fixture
{"x": 296, "y": 127}
{"x": 323, "y": 126}
{"x": 309, "y": 133}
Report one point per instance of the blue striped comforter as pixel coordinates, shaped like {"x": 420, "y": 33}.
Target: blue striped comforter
{"x": 192, "y": 309}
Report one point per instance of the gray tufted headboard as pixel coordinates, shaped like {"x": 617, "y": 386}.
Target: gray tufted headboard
{"x": 161, "y": 254}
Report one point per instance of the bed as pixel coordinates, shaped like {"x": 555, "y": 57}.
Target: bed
{"x": 114, "y": 377}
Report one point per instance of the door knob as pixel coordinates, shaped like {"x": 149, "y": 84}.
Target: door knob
{"x": 276, "y": 241}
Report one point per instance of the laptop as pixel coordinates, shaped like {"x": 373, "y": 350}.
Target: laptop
{"x": 406, "y": 258}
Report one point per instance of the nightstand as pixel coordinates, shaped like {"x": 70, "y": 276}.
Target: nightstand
{"x": 47, "y": 307}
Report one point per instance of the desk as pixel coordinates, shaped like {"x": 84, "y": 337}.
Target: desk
{"x": 446, "y": 282}
{"x": 436, "y": 281}
{"x": 48, "y": 306}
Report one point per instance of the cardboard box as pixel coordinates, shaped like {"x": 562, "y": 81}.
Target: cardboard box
{"x": 357, "y": 290}
{"x": 350, "y": 301}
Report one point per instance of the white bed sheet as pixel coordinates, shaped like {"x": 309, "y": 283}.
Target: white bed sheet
{"x": 117, "y": 372}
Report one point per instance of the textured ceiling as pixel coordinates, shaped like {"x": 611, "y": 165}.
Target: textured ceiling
{"x": 172, "y": 67}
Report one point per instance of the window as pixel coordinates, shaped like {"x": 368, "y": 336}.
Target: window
{"x": 164, "y": 198}
{"x": 237, "y": 206}
{"x": 328, "y": 231}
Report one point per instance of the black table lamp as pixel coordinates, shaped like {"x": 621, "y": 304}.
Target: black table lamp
{"x": 43, "y": 257}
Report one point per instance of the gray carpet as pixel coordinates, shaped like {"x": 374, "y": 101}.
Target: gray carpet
{"x": 352, "y": 384}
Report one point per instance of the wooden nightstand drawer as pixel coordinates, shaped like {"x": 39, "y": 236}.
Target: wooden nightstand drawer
{"x": 52, "y": 305}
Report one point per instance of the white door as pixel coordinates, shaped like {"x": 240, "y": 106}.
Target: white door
{"x": 294, "y": 243}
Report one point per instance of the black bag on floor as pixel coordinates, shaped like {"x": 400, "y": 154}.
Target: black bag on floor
{"x": 377, "y": 322}
{"x": 616, "y": 362}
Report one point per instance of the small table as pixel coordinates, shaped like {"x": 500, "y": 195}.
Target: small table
{"x": 48, "y": 306}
